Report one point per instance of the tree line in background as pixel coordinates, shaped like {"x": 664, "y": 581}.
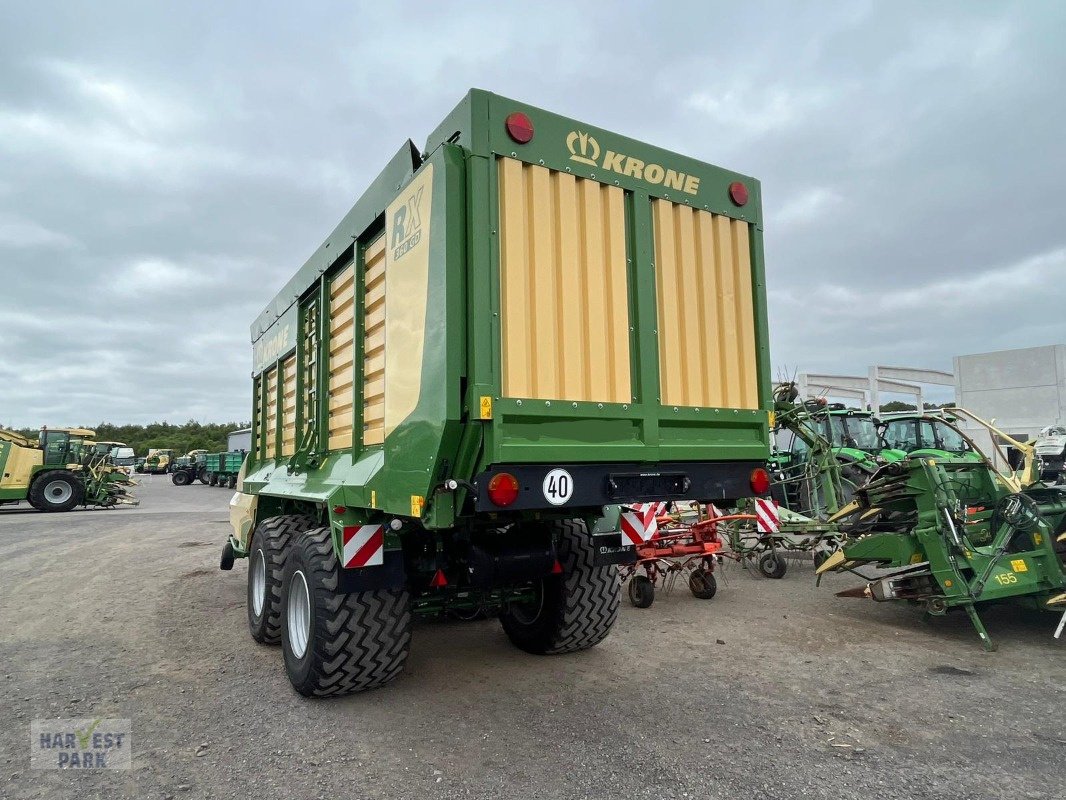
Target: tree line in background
{"x": 192, "y": 435}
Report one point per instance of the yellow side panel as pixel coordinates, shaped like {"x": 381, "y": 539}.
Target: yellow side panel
{"x": 341, "y": 358}
{"x": 288, "y": 406}
{"x": 19, "y": 466}
{"x": 705, "y": 308}
{"x": 271, "y": 416}
{"x": 407, "y": 230}
{"x": 564, "y": 294}
{"x": 374, "y": 343}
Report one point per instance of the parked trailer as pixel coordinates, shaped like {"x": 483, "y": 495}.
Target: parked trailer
{"x": 221, "y": 469}
{"x": 512, "y": 333}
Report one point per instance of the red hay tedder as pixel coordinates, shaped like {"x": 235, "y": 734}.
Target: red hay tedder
{"x": 669, "y": 546}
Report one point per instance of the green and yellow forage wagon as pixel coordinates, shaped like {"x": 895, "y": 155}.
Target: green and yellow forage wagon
{"x": 514, "y": 331}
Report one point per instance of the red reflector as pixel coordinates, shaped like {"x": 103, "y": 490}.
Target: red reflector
{"x": 557, "y": 568}
{"x": 519, "y": 127}
{"x": 760, "y": 481}
{"x": 738, "y": 193}
{"x": 438, "y": 580}
{"x": 339, "y": 509}
{"x": 503, "y": 489}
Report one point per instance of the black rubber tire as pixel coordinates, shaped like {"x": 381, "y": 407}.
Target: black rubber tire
{"x": 181, "y": 477}
{"x": 44, "y": 500}
{"x": 212, "y": 479}
{"x": 272, "y": 536}
{"x": 852, "y": 476}
{"x": 772, "y": 565}
{"x": 575, "y": 609}
{"x": 232, "y": 482}
{"x": 357, "y": 641}
{"x": 641, "y": 591}
{"x": 201, "y": 475}
{"x": 702, "y": 584}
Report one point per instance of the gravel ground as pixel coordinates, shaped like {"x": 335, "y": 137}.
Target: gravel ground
{"x": 773, "y": 689}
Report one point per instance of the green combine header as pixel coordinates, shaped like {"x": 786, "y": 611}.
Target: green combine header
{"x": 516, "y": 331}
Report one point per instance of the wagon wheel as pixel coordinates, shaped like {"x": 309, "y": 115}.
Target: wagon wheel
{"x": 772, "y": 565}
{"x": 702, "y": 584}
{"x": 641, "y": 591}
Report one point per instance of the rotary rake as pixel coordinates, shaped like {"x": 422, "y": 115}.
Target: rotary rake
{"x": 670, "y": 546}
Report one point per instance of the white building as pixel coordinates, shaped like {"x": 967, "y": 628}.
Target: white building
{"x": 1022, "y": 390}
{"x": 240, "y": 440}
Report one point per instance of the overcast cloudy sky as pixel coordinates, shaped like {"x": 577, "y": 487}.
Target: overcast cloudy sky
{"x": 164, "y": 171}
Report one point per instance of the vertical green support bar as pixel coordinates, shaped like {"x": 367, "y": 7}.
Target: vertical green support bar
{"x": 322, "y": 376}
{"x": 483, "y": 294}
{"x": 762, "y": 327}
{"x": 358, "y": 342}
{"x": 301, "y": 365}
{"x": 262, "y": 409}
{"x": 279, "y": 394}
{"x": 256, "y": 451}
{"x": 642, "y": 283}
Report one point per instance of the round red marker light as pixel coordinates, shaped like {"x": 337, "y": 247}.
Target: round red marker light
{"x": 519, "y": 127}
{"x": 760, "y": 481}
{"x": 738, "y": 193}
{"x": 503, "y": 489}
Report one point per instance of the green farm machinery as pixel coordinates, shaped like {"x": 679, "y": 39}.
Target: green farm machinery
{"x": 221, "y": 469}
{"x": 517, "y": 331}
{"x": 811, "y": 480}
{"x": 60, "y": 471}
{"x": 188, "y": 468}
{"x": 916, "y": 434}
{"x": 159, "y": 461}
{"x": 952, "y": 535}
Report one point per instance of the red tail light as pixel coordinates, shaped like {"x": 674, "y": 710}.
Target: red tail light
{"x": 503, "y": 489}
{"x": 519, "y": 127}
{"x": 738, "y": 193}
{"x": 760, "y": 481}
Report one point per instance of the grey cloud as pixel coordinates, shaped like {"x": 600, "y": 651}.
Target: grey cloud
{"x": 164, "y": 171}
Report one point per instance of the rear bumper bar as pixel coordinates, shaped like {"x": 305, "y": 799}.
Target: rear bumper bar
{"x": 550, "y": 487}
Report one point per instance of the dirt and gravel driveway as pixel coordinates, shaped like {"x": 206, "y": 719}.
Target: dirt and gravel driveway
{"x": 774, "y": 689}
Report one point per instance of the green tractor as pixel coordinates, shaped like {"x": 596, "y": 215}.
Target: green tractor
{"x": 815, "y": 440}
{"x": 188, "y": 468}
{"x": 914, "y": 434}
{"x": 59, "y": 472}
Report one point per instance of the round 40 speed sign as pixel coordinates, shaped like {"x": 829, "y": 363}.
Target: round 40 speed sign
{"x": 558, "y": 487}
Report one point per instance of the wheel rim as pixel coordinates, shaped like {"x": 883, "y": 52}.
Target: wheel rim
{"x": 299, "y": 614}
{"x": 259, "y": 581}
{"x": 58, "y": 491}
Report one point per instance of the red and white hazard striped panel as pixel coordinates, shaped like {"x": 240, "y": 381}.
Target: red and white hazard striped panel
{"x": 639, "y": 523}
{"x": 767, "y": 520}
{"x": 364, "y": 546}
